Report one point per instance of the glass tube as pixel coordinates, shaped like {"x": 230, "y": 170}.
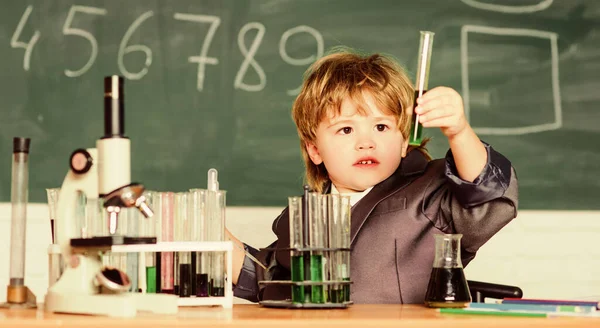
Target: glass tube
{"x": 52, "y": 194}
{"x": 147, "y": 229}
{"x": 156, "y": 201}
{"x": 421, "y": 84}
{"x": 200, "y": 233}
{"x": 119, "y": 260}
{"x": 55, "y": 264}
{"x": 318, "y": 239}
{"x": 80, "y": 214}
{"x": 324, "y": 213}
{"x": 215, "y": 202}
{"x": 132, "y": 259}
{"x": 166, "y": 263}
{"x": 344, "y": 267}
{"x": 183, "y": 231}
{"x": 336, "y": 293}
{"x": 296, "y": 241}
{"x": 19, "y": 199}
{"x": 93, "y": 218}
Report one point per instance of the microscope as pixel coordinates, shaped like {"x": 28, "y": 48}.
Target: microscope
{"x": 85, "y": 286}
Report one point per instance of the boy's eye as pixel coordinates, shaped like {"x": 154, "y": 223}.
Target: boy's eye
{"x": 381, "y": 127}
{"x": 345, "y": 130}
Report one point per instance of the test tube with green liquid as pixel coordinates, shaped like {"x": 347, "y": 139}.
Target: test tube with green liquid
{"x": 339, "y": 234}
{"x": 296, "y": 241}
{"x": 421, "y": 84}
{"x": 318, "y": 239}
{"x": 152, "y": 228}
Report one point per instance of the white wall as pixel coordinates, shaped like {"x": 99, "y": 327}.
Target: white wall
{"x": 548, "y": 254}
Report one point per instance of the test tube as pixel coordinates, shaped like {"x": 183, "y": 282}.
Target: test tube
{"x": 55, "y": 263}
{"x": 166, "y": 258}
{"x": 133, "y": 230}
{"x": 156, "y": 201}
{"x": 93, "y": 218}
{"x": 318, "y": 239}
{"x": 183, "y": 231}
{"x": 80, "y": 214}
{"x": 199, "y": 233}
{"x": 16, "y": 291}
{"x": 147, "y": 229}
{"x": 422, "y": 80}
{"x": 336, "y": 259}
{"x": 215, "y": 203}
{"x": 119, "y": 260}
{"x": 296, "y": 241}
{"x": 344, "y": 267}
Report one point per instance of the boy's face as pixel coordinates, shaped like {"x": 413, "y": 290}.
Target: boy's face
{"x": 359, "y": 151}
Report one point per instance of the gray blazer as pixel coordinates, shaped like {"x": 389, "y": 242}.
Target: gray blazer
{"x": 392, "y": 227}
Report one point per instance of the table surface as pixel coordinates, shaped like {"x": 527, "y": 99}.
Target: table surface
{"x": 251, "y": 315}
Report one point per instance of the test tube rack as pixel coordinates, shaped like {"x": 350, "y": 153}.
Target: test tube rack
{"x": 289, "y": 304}
{"x": 225, "y": 301}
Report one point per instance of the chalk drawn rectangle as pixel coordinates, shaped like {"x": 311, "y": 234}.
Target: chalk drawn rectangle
{"x": 556, "y": 111}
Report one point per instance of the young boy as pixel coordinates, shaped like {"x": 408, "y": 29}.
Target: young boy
{"x": 353, "y": 118}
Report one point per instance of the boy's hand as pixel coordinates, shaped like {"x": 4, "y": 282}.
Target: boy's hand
{"x": 442, "y": 107}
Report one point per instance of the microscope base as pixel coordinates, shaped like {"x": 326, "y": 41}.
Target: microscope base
{"x": 125, "y": 305}
{"x": 76, "y": 292}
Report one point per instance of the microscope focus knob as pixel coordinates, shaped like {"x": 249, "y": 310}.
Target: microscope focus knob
{"x": 81, "y": 161}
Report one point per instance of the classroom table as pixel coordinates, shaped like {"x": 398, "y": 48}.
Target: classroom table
{"x": 251, "y": 315}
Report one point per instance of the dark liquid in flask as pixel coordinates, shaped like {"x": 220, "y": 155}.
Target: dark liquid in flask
{"x": 416, "y": 128}
{"x": 447, "y": 288}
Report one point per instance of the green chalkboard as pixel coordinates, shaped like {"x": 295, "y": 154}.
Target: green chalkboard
{"x": 210, "y": 83}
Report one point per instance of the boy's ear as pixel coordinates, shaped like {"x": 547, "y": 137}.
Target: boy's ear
{"x": 313, "y": 153}
{"x": 404, "y": 147}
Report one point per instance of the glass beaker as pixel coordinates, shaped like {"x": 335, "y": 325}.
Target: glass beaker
{"x": 447, "y": 285}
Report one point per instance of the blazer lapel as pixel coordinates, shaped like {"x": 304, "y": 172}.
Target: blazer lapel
{"x": 408, "y": 170}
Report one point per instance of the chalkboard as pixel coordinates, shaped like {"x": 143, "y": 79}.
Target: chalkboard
{"x": 210, "y": 83}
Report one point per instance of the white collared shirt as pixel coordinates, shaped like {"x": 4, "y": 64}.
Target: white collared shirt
{"x": 354, "y": 196}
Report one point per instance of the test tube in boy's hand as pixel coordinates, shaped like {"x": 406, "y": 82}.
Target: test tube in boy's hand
{"x": 422, "y": 80}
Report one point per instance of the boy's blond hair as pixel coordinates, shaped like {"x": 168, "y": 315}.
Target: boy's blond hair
{"x": 343, "y": 74}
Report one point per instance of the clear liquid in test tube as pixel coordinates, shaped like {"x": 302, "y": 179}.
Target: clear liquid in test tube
{"x": 421, "y": 85}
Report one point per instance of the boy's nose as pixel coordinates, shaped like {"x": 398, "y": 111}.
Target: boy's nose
{"x": 365, "y": 144}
